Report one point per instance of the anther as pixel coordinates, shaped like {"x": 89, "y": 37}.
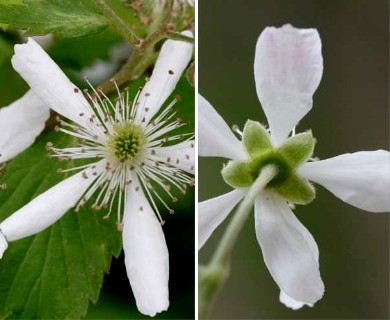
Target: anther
{"x": 49, "y": 145}
{"x": 119, "y": 225}
{"x": 236, "y": 129}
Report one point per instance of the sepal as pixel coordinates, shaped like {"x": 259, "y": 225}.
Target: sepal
{"x": 256, "y": 139}
{"x": 294, "y": 189}
{"x": 238, "y": 174}
{"x": 298, "y": 148}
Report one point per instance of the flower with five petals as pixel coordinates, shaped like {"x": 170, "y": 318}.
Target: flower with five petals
{"x": 288, "y": 68}
{"x": 135, "y": 152}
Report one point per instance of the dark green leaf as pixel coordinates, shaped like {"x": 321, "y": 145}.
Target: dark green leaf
{"x": 56, "y": 273}
{"x": 15, "y": 85}
{"x": 71, "y": 18}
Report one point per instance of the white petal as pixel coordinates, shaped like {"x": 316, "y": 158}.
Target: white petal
{"x": 283, "y": 297}
{"x": 47, "y": 208}
{"x": 21, "y": 122}
{"x": 213, "y": 211}
{"x": 49, "y": 83}
{"x": 361, "y": 179}
{"x": 288, "y": 69}
{"x": 180, "y": 155}
{"x": 3, "y": 244}
{"x": 287, "y": 248}
{"x": 171, "y": 62}
{"x": 146, "y": 253}
{"x": 215, "y": 137}
{"x": 291, "y": 303}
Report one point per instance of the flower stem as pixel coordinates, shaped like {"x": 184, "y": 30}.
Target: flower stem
{"x": 114, "y": 11}
{"x": 142, "y": 57}
{"x": 212, "y": 276}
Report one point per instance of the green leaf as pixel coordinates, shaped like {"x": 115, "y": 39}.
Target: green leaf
{"x": 71, "y": 18}
{"x": 12, "y": 2}
{"x": 58, "y": 272}
{"x": 15, "y": 85}
{"x": 78, "y": 53}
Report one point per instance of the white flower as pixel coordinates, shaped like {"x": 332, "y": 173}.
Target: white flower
{"x": 127, "y": 143}
{"x": 21, "y": 122}
{"x": 288, "y": 69}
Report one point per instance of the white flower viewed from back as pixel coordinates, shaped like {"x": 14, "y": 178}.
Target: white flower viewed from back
{"x": 288, "y": 68}
{"x": 135, "y": 156}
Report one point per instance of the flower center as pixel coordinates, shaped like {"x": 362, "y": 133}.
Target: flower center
{"x": 273, "y": 158}
{"x": 127, "y": 141}
{"x": 285, "y": 159}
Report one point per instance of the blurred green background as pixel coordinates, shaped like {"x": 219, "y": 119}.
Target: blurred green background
{"x": 350, "y": 113}
{"x": 101, "y": 56}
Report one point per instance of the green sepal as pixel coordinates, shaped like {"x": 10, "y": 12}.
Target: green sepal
{"x": 297, "y": 149}
{"x": 255, "y": 139}
{"x": 294, "y": 189}
{"x": 238, "y": 174}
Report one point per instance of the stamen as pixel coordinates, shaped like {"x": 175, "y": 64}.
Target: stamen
{"x": 237, "y": 130}
{"x": 124, "y": 141}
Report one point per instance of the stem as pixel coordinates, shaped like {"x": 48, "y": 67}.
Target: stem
{"x": 144, "y": 53}
{"x": 216, "y": 272}
{"x": 179, "y": 36}
{"x": 114, "y": 13}
{"x": 143, "y": 56}
{"x": 167, "y": 12}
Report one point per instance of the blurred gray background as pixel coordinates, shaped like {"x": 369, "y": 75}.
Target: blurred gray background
{"x": 350, "y": 113}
